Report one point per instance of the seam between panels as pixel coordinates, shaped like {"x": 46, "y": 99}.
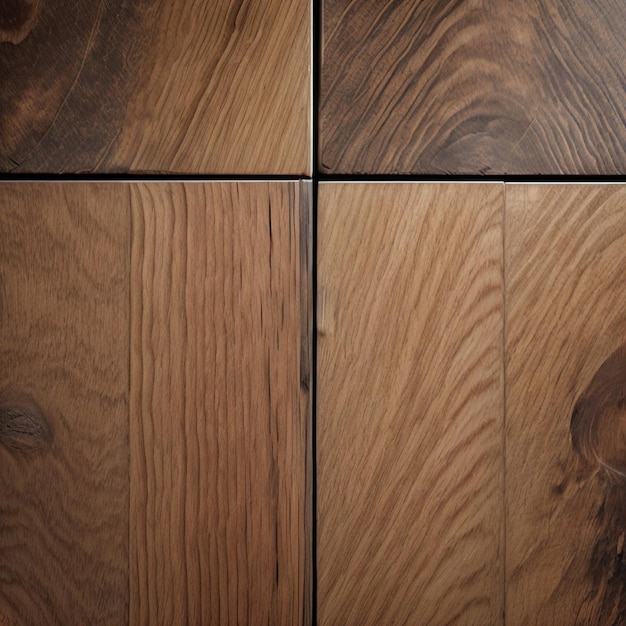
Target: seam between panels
{"x": 314, "y": 380}
{"x": 504, "y": 407}
{"x": 316, "y": 79}
{"x": 131, "y": 226}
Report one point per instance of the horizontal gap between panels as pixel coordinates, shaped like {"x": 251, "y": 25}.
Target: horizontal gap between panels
{"x": 139, "y": 178}
{"x": 518, "y": 179}
{"x": 321, "y": 178}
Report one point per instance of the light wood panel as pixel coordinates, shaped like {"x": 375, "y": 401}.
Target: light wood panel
{"x": 219, "y": 404}
{"x": 410, "y": 404}
{"x": 473, "y": 87}
{"x": 64, "y": 345}
{"x": 565, "y": 403}
{"x": 187, "y": 87}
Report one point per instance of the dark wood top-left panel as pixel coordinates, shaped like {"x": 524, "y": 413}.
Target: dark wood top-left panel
{"x": 137, "y": 86}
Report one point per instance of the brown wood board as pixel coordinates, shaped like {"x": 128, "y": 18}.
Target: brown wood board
{"x": 469, "y": 87}
{"x": 565, "y": 404}
{"x": 410, "y": 404}
{"x": 219, "y": 87}
{"x": 202, "y": 290}
{"x": 219, "y": 409}
{"x": 64, "y": 346}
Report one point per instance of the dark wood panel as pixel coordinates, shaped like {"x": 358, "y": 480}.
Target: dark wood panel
{"x": 565, "y": 404}
{"x": 149, "y": 85}
{"x": 410, "y": 404}
{"x": 220, "y": 414}
{"x": 469, "y": 87}
{"x": 64, "y": 346}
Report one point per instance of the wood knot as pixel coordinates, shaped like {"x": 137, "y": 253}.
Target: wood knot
{"x": 598, "y": 424}
{"x": 17, "y": 18}
{"x": 23, "y": 426}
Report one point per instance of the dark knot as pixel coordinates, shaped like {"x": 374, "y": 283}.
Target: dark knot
{"x": 598, "y": 425}
{"x": 17, "y": 18}
{"x": 23, "y": 426}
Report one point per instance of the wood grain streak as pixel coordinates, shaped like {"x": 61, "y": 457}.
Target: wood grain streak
{"x": 219, "y": 418}
{"x": 305, "y": 201}
{"x": 64, "y": 345}
{"x": 153, "y": 86}
{"x": 410, "y": 404}
{"x": 566, "y": 383}
{"x": 473, "y": 87}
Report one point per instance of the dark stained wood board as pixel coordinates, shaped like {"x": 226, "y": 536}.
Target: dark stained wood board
{"x": 473, "y": 87}
{"x": 410, "y": 404}
{"x": 220, "y": 87}
{"x": 220, "y": 419}
{"x": 64, "y": 440}
{"x": 565, "y": 404}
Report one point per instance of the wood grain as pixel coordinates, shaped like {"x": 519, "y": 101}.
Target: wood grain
{"x": 219, "y": 413}
{"x": 410, "y": 404}
{"x": 473, "y": 87}
{"x": 566, "y": 383}
{"x": 64, "y": 345}
{"x": 152, "y": 86}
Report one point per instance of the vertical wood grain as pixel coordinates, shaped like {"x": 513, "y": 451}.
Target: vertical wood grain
{"x": 565, "y": 408}
{"x": 410, "y": 404}
{"x": 306, "y": 266}
{"x": 219, "y": 416}
{"x": 64, "y": 345}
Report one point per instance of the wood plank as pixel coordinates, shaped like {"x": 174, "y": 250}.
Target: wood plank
{"x": 219, "y": 414}
{"x": 565, "y": 411}
{"x": 64, "y": 345}
{"x": 410, "y": 404}
{"x": 471, "y": 87}
{"x": 219, "y": 87}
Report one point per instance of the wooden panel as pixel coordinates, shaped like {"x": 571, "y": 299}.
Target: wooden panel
{"x": 469, "y": 87}
{"x": 410, "y": 404}
{"x": 219, "y": 414}
{"x": 565, "y": 407}
{"x": 64, "y": 344}
{"x": 188, "y": 87}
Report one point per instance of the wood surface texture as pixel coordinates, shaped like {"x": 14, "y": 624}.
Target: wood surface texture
{"x": 202, "y": 292}
{"x": 410, "y": 404}
{"x": 219, "y": 410}
{"x": 64, "y": 441}
{"x": 218, "y": 87}
{"x": 565, "y": 404}
{"x": 473, "y": 87}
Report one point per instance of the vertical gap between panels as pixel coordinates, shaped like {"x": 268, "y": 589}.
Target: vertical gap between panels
{"x": 316, "y": 64}
{"x": 314, "y": 403}
{"x": 504, "y": 385}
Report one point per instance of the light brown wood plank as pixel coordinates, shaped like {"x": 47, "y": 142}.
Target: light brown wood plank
{"x": 410, "y": 404}
{"x": 64, "y": 346}
{"x": 219, "y": 413}
{"x": 565, "y": 404}
{"x": 220, "y": 87}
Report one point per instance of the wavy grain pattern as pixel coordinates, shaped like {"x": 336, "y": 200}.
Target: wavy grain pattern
{"x": 565, "y": 414}
{"x": 473, "y": 87}
{"x": 64, "y": 345}
{"x": 410, "y": 404}
{"x": 149, "y": 85}
{"x": 219, "y": 406}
